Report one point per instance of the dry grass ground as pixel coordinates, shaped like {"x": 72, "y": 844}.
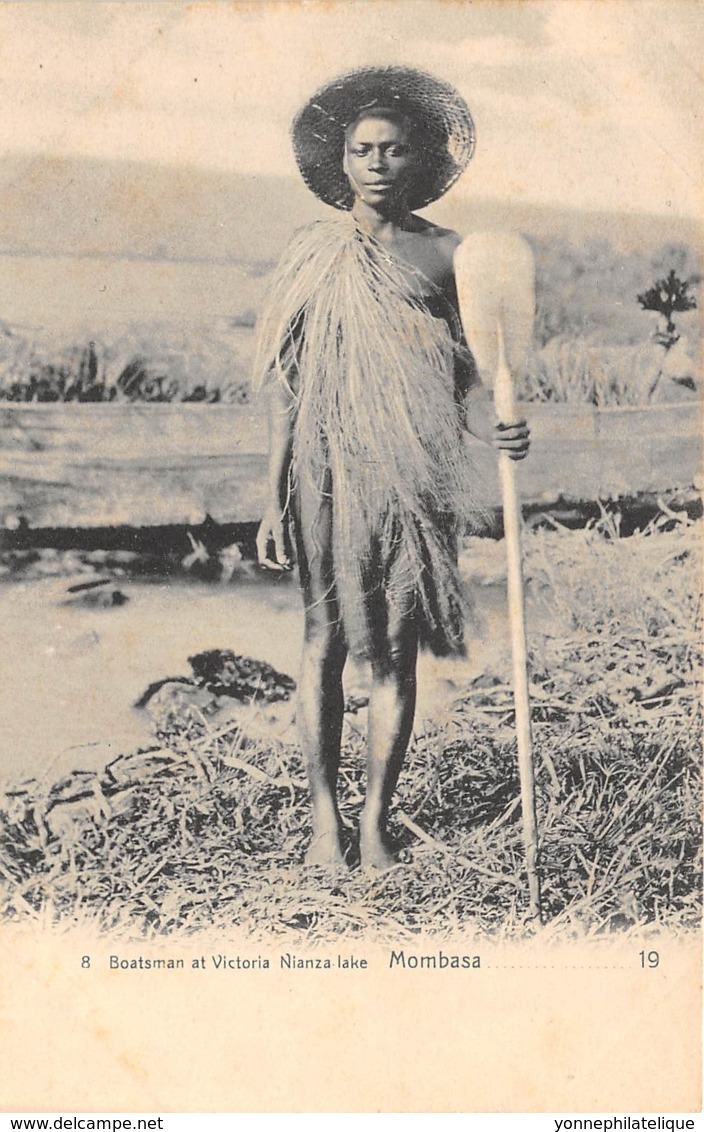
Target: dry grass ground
{"x": 208, "y": 829}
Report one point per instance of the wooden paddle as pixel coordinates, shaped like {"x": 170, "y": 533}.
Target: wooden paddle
{"x": 496, "y": 288}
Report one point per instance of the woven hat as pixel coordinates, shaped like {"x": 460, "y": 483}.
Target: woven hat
{"x": 443, "y": 130}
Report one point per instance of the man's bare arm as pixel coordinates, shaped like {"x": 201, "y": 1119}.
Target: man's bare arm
{"x": 273, "y": 528}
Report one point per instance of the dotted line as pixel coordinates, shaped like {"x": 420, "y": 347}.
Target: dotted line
{"x": 557, "y": 967}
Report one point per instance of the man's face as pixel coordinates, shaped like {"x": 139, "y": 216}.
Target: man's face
{"x": 379, "y": 160}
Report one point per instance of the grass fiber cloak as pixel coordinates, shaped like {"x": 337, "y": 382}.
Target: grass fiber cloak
{"x": 370, "y": 356}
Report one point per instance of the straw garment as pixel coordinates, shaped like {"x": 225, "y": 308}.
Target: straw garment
{"x": 374, "y": 369}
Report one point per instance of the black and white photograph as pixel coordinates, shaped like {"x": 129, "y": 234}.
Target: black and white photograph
{"x": 351, "y": 549}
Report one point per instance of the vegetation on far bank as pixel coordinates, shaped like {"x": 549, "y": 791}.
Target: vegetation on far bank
{"x": 153, "y": 362}
{"x": 595, "y": 343}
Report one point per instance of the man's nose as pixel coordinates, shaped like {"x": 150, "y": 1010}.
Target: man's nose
{"x": 377, "y": 159}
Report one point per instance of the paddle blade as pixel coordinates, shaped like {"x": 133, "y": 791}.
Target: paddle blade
{"x": 496, "y": 289}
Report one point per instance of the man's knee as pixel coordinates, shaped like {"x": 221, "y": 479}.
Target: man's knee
{"x": 324, "y": 642}
{"x": 397, "y": 657}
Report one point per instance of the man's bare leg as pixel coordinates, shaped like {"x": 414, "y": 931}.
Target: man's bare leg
{"x": 319, "y": 713}
{"x": 320, "y": 702}
{"x": 391, "y": 706}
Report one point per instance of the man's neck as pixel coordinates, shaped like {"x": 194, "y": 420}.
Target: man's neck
{"x": 382, "y": 225}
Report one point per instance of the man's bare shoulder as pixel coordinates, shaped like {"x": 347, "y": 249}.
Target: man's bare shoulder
{"x": 444, "y": 240}
{"x": 436, "y": 231}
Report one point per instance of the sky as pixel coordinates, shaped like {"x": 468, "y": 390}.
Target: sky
{"x": 589, "y": 103}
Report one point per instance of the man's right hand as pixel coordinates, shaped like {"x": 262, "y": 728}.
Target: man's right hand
{"x": 272, "y": 537}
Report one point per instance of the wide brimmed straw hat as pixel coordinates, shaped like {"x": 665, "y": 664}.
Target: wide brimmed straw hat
{"x": 443, "y": 130}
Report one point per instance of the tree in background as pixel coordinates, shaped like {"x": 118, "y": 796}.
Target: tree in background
{"x": 665, "y": 297}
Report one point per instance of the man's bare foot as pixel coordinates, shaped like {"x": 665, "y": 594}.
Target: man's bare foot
{"x": 376, "y": 850}
{"x": 326, "y": 849}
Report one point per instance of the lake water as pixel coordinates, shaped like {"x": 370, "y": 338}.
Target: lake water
{"x": 62, "y": 292}
{"x": 71, "y": 674}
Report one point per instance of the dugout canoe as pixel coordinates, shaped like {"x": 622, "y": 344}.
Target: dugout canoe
{"x": 79, "y": 465}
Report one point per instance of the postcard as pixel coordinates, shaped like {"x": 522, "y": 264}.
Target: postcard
{"x": 350, "y": 575}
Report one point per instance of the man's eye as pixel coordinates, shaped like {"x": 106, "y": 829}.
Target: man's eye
{"x": 360, "y": 150}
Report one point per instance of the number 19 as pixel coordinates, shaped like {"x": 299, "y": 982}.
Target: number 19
{"x": 649, "y": 959}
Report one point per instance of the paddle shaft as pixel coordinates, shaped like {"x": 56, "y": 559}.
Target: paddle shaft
{"x": 506, "y": 412}
{"x": 495, "y": 277}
